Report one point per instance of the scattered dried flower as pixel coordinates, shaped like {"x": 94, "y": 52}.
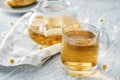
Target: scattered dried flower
{"x": 40, "y": 47}
{"x": 101, "y": 20}
{"x": 104, "y": 67}
{"x": 11, "y": 23}
{"x": 12, "y": 60}
{"x": 4, "y": 34}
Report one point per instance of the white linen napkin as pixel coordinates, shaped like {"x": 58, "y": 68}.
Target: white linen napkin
{"x": 18, "y": 48}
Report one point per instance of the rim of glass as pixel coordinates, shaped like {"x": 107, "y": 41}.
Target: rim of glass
{"x": 95, "y": 28}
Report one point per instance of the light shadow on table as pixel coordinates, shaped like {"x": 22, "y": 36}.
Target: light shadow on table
{"x": 96, "y": 76}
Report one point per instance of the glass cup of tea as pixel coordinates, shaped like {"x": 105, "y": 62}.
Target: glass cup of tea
{"x": 80, "y": 48}
{"x": 47, "y": 20}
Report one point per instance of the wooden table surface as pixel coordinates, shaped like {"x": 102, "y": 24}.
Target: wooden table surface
{"x": 89, "y": 11}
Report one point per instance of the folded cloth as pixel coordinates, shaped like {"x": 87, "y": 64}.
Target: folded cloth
{"x": 18, "y": 48}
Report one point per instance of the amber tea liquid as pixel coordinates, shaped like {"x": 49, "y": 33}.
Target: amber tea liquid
{"x": 80, "y": 51}
{"x": 45, "y": 40}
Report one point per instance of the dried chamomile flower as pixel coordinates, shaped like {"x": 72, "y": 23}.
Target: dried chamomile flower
{"x": 101, "y": 20}
{"x": 40, "y": 47}
{"x": 4, "y": 34}
{"x": 12, "y": 60}
{"x": 104, "y": 66}
{"x": 11, "y": 23}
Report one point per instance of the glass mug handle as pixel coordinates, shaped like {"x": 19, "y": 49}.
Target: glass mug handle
{"x": 104, "y": 43}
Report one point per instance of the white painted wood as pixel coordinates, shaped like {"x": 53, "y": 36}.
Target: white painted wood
{"x": 52, "y": 70}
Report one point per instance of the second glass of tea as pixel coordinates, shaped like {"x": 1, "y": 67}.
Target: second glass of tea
{"x": 45, "y": 24}
{"x": 80, "y": 48}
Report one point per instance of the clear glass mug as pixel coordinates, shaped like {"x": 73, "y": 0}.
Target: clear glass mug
{"x": 80, "y": 48}
{"x": 46, "y": 22}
